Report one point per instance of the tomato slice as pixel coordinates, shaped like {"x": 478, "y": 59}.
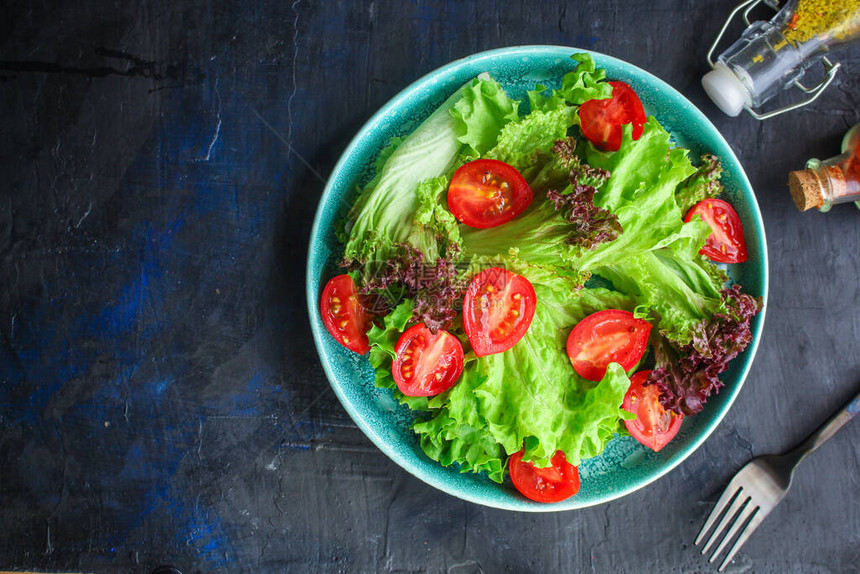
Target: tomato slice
{"x": 610, "y": 336}
{"x": 343, "y": 315}
{"x": 426, "y": 363}
{"x": 653, "y": 426}
{"x": 497, "y": 311}
{"x": 551, "y": 484}
{"x": 726, "y": 244}
{"x": 602, "y": 120}
{"x": 487, "y": 192}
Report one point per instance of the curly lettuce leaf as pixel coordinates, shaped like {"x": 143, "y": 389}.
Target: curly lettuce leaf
{"x": 688, "y": 374}
{"x": 637, "y": 210}
{"x": 383, "y": 338}
{"x": 703, "y": 184}
{"x": 700, "y": 325}
{"x": 533, "y": 398}
{"x": 436, "y": 288}
{"x": 457, "y": 434}
{"x": 527, "y": 144}
{"x": 544, "y": 99}
{"x": 480, "y": 113}
{"x": 592, "y": 225}
{"x": 585, "y": 82}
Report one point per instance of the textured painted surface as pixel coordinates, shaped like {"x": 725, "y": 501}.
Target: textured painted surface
{"x": 161, "y": 401}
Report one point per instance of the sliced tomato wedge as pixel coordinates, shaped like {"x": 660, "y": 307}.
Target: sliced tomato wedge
{"x": 602, "y": 120}
{"x": 487, "y": 192}
{"x": 653, "y": 426}
{"x": 610, "y": 336}
{"x": 344, "y": 316}
{"x": 551, "y": 484}
{"x": 426, "y": 363}
{"x": 726, "y": 243}
{"x": 497, "y": 310}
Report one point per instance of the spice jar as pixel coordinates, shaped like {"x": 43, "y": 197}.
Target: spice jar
{"x": 825, "y": 183}
{"x": 772, "y": 56}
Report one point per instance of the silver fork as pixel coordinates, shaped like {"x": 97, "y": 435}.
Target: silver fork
{"x": 758, "y": 488}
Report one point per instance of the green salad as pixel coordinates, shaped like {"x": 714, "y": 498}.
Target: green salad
{"x": 535, "y": 278}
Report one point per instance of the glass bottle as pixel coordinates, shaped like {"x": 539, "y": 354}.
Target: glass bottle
{"x": 825, "y": 183}
{"x": 771, "y": 56}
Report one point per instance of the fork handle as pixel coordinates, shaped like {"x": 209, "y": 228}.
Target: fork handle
{"x": 838, "y": 420}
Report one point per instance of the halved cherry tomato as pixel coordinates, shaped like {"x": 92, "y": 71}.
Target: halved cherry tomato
{"x": 426, "y": 363}
{"x": 610, "y": 336}
{"x": 343, "y": 315}
{"x": 653, "y": 426}
{"x": 497, "y": 311}
{"x": 551, "y": 484}
{"x": 601, "y": 120}
{"x": 727, "y": 243}
{"x": 487, "y": 192}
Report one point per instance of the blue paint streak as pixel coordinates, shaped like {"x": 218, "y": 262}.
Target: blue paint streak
{"x": 236, "y": 198}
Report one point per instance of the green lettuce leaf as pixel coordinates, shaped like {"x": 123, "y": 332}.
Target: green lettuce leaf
{"x": 527, "y": 144}
{"x": 704, "y": 183}
{"x": 544, "y": 99}
{"x": 533, "y": 398}
{"x": 383, "y": 339}
{"x": 586, "y": 82}
{"x": 538, "y": 236}
{"x": 480, "y": 113}
{"x": 641, "y": 193}
{"x": 679, "y": 290}
{"x": 434, "y": 220}
{"x": 529, "y": 396}
{"x": 456, "y": 433}
{"x": 385, "y": 215}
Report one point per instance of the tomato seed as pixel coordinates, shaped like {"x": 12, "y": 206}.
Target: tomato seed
{"x": 335, "y": 299}
{"x": 335, "y": 309}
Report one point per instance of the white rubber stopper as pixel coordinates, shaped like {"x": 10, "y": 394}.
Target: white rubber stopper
{"x": 726, "y": 90}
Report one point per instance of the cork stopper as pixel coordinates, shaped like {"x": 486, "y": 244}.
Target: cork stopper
{"x": 805, "y": 189}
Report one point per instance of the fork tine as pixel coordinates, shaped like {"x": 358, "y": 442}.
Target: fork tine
{"x": 756, "y": 519}
{"x": 739, "y": 524}
{"x": 728, "y": 495}
{"x": 738, "y": 501}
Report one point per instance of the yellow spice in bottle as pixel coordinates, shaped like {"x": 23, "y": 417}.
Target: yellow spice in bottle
{"x": 839, "y": 19}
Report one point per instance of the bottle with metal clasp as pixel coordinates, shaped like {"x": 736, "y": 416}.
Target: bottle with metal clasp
{"x": 772, "y": 56}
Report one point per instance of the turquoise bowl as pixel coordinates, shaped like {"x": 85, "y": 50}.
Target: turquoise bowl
{"x": 624, "y": 466}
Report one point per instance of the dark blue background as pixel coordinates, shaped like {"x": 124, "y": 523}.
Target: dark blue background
{"x": 161, "y": 401}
